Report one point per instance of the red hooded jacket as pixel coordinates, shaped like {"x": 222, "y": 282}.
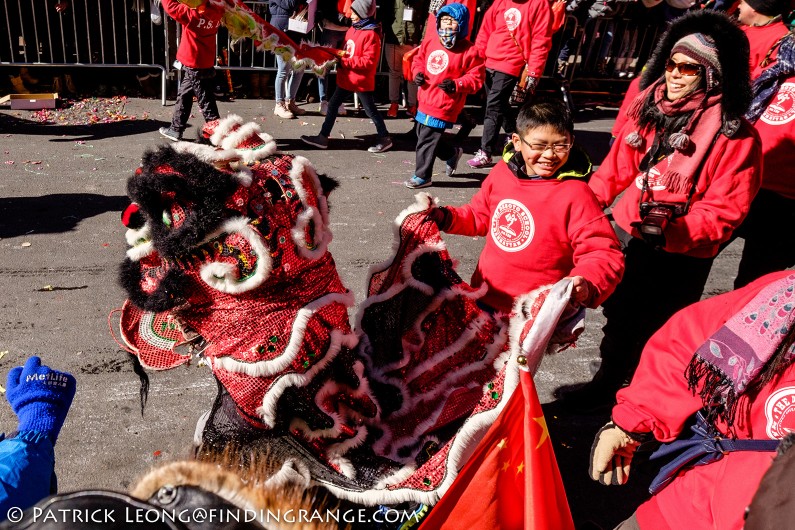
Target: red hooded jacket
{"x": 356, "y": 71}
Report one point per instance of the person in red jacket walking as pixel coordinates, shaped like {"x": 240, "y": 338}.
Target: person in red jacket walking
{"x": 445, "y": 69}
{"x": 541, "y": 221}
{"x": 196, "y": 53}
{"x": 769, "y": 239}
{"x": 687, "y": 166}
{"x": 514, "y": 33}
{"x": 356, "y": 73}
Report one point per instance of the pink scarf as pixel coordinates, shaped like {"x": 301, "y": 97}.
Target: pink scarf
{"x": 692, "y": 142}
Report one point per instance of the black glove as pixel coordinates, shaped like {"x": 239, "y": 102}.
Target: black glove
{"x": 419, "y": 79}
{"x": 448, "y": 85}
{"x": 441, "y": 216}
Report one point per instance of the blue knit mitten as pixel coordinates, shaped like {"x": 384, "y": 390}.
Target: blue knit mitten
{"x": 40, "y": 397}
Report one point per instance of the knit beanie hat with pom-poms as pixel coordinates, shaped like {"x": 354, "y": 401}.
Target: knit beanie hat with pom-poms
{"x": 701, "y": 48}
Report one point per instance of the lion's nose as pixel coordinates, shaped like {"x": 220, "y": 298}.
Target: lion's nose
{"x": 132, "y": 217}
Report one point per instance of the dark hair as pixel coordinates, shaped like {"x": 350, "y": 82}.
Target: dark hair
{"x": 549, "y": 113}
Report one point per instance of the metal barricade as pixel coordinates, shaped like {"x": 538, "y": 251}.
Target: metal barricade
{"x": 87, "y": 33}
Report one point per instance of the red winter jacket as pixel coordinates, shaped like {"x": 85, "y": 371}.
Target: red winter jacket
{"x": 356, "y": 71}
{"x": 538, "y": 232}
{"x": 531, "y": 23}
{"x": 729, "y": 180}
{"x": 197, "y": 45}
{"x": 712, "y": 496}
{"x": 776, "y": 127}
{"x": 462, "y": 64}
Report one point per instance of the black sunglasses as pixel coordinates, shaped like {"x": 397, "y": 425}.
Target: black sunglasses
{"x": 688, "y": 69}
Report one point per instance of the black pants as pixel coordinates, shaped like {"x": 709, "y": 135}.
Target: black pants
{"x": 198, "y": 82}
{"x": 368, "y": 103}
{"x": 431, "y": 144}
{"x": 499, "y": 112}
{"x": 769, "y": 237}
{"x": 656, "y": 284}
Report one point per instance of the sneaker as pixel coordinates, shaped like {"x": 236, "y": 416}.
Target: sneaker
{"x": 170, "y": 133}
{"x": 282, "y": 111}
{"x": 323, "y": 108}
{"x": 393, "y": 110}
{"x": 416, "y": 182}
{"x": 452, "y": 164}
{"x": 481, "y": 160}
{"x": 342, "y": 110}
{"x": 295, "y": 109}
{"x": 384, "y": 144}
{"x": 412, "y": 111}
{"x": 319, "y": 141}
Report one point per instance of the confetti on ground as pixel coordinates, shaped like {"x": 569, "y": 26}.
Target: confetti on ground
{"x": 9, "y": 162}
{"x": 26, "y": 244}
{"x": 87, "y": 112}
{"x": 157, "y": 453}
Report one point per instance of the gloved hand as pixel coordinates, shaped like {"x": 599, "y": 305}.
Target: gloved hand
{"x": 40, "y": 397}
{"x": 419, "y": 79}
{"x": 441, "y": 216}
{"x": 611, "y": 455}
{"x": 448, "y": 85}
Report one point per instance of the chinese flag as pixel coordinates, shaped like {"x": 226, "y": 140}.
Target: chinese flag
{"x": 512, "y": 479}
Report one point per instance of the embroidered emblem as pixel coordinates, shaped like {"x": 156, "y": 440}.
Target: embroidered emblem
{"x": 512, "y": 226}
{"x": 513, "y": 17}
{"x": 654, "y": 178}
{"x": 437, "y": 62}
{"x": 782, "y": 109}
{"x": 780, "y": 412}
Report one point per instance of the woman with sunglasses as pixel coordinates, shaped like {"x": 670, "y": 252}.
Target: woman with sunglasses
{"x": 688, "y": 165}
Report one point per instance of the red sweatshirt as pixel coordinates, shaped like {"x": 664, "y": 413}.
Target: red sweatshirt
{"x": 762, "y": 39}
{"x": 197, "y": 45}
{"x": 729, "y": 180}
{"x": 538, "y": 232}
{"x": 462, "y": 64}
{"x": 531, "y": 23}
{"x": 356, "y": 71}
{"x": 659, "y": 402}
{"x": 776, "y": 127}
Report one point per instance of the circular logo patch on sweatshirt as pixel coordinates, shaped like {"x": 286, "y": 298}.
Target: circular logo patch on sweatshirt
{"x": 513, "y": 17}
{"x": 781, "y": 109}
{"x": 512, "y": 226}
{"x": 780, "y": 412}
{"x": 350, "y": 47}
{"x": 437, "y": 62}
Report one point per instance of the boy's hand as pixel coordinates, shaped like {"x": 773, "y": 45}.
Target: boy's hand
{"x": 448, "y": 85}
{"x": 581, "y": 289}
{"x": 419, "y": 79}
{"x": 439, "y": 215}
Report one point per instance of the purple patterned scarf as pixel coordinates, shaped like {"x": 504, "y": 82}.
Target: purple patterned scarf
{"x": 736, "y": 354}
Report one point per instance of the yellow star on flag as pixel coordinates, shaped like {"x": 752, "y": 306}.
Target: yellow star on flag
{"x": 520, "y": 468}
{"x": 502, "y": 444}
{"x": 506, "y": 465}
{"x": 542, "y": 421}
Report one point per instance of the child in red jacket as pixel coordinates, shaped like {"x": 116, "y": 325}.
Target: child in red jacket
{"x": 356, "y": 73}
{"x": 514, "y": 33}
{"x": 197, "y": 54}
{"x": 446, "y": 70}
{"x": 541, "y": 221}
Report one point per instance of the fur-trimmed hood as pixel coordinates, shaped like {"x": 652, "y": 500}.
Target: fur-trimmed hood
{"x": 733, "y": 55}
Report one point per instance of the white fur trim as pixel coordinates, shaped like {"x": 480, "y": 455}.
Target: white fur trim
{"x": 302, "y": 168}
{"x": 245, "y": 176}
{"x": 140, "y": 243}
{"x": 224, "y": 127}
{"x": 224, "y": 276}
{"x": 292, "y": 472}
{"x": 206, "y": 153}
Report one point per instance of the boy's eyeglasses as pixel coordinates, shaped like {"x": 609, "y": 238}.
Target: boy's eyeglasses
{"x": 558, "y": 149}
{"x": 686, "y": 69}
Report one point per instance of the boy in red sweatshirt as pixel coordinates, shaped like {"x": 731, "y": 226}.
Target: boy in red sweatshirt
{"x": 356, "y": 73}
{"x": 542, "y": 221}
{"x": 445, "y": 69}
{"x": 514, "y": 33}
{"x": 196, "y": 52}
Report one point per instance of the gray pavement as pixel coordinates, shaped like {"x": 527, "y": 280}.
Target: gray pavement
{"x": 61, "y": 242}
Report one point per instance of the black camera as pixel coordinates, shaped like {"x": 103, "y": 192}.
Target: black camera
{"x": 655, "y": 218}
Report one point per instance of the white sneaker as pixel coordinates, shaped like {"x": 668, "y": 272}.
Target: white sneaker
{"x": 282, "y": 111}
{"x": 342, "y": 110}
{"x": 323, "y": 109}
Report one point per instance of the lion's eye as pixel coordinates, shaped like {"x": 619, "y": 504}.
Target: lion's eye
{"x": 167, "y": 218}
